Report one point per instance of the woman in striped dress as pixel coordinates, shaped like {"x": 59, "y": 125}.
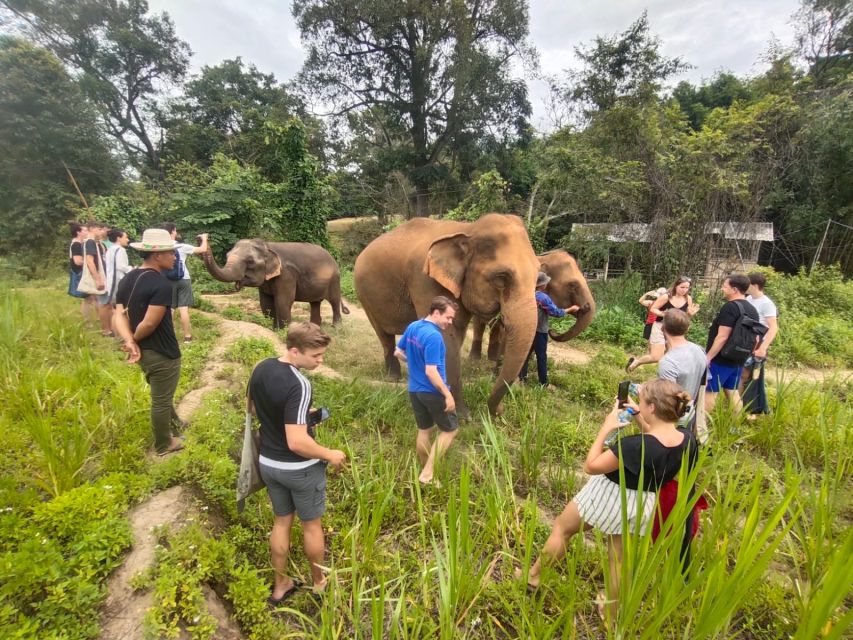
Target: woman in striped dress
{"x": 649, "y": 460}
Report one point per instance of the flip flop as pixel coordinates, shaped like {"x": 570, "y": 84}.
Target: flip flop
{"x": 628, "y": 366}
{"x": 274, "y": 602}
{"x": 171, "y": 450}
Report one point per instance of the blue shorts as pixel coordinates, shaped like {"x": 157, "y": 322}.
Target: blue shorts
{"x": 722, "y": 375}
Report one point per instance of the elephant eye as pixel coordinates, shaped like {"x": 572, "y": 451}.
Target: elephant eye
{"x": 501, "y": 279}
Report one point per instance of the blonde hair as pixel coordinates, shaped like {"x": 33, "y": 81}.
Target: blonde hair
{"x": 670, "y": 400}
{"x": 306, "y": 335}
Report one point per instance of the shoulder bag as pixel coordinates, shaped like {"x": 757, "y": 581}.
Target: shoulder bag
{"x": 87, "y": 282}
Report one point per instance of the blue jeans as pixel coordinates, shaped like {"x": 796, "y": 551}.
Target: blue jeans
{"x": 540, "y": 348}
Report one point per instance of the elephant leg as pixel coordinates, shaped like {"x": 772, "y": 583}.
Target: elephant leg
{"x": 315, "y": 313}
{"x": 267, "y": 304}
{"x": 496, "y": 341}
{"x": 453, "y": 338}
{"x": 392, "y": 365}
{"x": 335, "y": 300}
{"x": 284, "y": 297}
{"x": 479, "y": 328}
{"x": 389, "y": 343}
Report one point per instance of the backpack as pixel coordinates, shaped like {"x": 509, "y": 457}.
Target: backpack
{"x": 742, "y": 340}
{"x": 177, "y": 272}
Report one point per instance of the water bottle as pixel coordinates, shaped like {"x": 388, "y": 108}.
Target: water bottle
{"x": 625, "y": 416}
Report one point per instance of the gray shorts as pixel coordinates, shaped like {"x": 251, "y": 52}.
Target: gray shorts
{"x": 302, "y": 490}
{"x": 105, "y": 299}
{"x": 429, "y": 411}
{"x": 182, "y": 293}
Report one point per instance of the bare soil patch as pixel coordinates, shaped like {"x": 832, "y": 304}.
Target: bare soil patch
{"x": 125, "y": 608}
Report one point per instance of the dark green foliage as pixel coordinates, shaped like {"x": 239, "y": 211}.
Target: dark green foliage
{"x": 124, "y": 56}
{"x": 45, "y": 121}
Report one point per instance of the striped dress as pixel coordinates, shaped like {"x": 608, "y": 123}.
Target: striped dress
{"x": 600, "y": 501}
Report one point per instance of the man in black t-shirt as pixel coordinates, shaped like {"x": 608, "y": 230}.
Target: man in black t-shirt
{"x": 292, "y": 463}
{"x": 723, "y": 373}
{"x": 144, "y": 321}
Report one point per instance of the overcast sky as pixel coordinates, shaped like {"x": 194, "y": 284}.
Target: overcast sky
{"x": 710, "y": 35}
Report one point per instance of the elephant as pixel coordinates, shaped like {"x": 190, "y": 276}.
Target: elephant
{"x": 284, "y": 272}
{"x": 486, "y": 266}
{"x": 567, "y": 287}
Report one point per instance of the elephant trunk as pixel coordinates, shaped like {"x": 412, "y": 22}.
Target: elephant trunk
{"x": 519, "y": 322}
{"x": 584, "y": 319}
{"x": 233, "y": 270}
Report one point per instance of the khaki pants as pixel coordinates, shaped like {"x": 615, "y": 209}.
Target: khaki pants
{"x": 162, "y": 375}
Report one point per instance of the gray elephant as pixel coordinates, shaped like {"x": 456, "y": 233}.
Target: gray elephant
{"x": 567, "y": 287}
{"x": 284, "y": 272}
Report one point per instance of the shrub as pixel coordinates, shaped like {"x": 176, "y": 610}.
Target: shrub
{"x": 251, "y": 350}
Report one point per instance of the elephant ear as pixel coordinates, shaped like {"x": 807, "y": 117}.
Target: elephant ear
{"x": 273, "y": 264}
{"x": 446, "y": 261}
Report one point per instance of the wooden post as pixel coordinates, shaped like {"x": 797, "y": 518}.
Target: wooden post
{"x": 77, "y": 189}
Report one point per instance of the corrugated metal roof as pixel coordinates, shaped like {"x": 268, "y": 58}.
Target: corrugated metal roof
{"x": 641, "y": 232}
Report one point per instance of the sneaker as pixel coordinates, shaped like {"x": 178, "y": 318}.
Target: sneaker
{"x": 188, "y": 339}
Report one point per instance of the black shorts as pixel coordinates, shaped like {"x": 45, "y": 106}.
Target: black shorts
{"x": 647, "y": 331}
{"x": 429, "y": 411}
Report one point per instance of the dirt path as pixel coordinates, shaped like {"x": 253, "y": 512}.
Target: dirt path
{"x": 125, "y": 608}
{"x": 211, "y": 378}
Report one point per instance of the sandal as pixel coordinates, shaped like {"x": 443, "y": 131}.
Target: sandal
{"x": 172, "y": 449}
{"x": 274, "y": 602}
{"x": 628, "y": 368}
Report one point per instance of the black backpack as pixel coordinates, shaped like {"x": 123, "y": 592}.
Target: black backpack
{"x": 177, "y": 272}
{"x": 742, "y": 340}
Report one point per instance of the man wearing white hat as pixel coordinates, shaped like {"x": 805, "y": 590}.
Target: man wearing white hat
{"x": 143, "y": 319}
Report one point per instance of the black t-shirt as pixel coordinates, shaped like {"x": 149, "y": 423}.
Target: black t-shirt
{"x": 152, "y": 289}
{"x": 659, "y": 463}
{"x": 92, "y": 247}
{"x": 76, "y": 249}
{"x": 281, "y": 396}
{"x": 727, "y": 318}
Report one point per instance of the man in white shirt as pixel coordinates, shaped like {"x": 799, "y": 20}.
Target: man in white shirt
{"x": 752, "y": 382}
{"x": 182, "y": 289}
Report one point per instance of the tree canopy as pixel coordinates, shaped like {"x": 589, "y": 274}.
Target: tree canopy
{"x": 430, "y": 71}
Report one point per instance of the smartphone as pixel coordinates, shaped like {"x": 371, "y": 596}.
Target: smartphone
{"x": 318, "y": 416}
{"x": 622, "y": 395}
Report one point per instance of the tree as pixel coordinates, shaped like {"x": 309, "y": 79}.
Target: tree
{"x": 124, "y": 57}
{"x": 223, "y": 110}
{"x": 825, "y": 38}
{"x": 627, "y": 67}
{"x": 436, "y": 69}
{"x": 721, "y": 91}
{"x": 45, "y": 123}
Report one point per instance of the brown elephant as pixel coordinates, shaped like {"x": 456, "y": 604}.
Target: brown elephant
{"x": 567, "y": 287}
{"x": 284, "y": 272}
{"x": 487, "y": 266}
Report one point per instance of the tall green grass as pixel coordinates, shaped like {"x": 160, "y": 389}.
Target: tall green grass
{"x": 407, "y": 561}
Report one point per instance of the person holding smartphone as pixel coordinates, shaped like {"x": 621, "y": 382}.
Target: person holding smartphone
{"x": 292, "y": 463}
{"x": 655, "y": 455}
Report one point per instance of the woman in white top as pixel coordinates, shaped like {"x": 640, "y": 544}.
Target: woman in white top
{"x": 116, "y": 262}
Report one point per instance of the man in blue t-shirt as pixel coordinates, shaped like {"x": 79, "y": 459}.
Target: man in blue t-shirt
{"x": 422, "y": 347}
